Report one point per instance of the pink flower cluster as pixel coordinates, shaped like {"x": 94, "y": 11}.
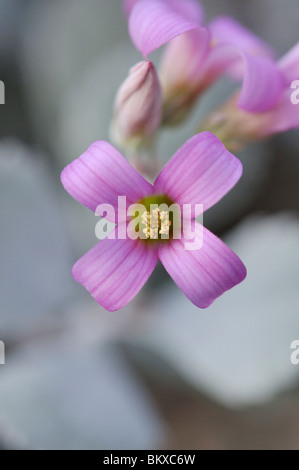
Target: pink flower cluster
{"x": 202, "y": 171}
{"x": 196, "y": 55}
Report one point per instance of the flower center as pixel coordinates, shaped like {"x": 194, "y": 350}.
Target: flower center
{"x": 159, "y": 218}
{"x": 156, "y": 222}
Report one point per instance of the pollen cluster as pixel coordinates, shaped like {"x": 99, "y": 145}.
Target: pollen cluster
{"x": 156, "y": 224}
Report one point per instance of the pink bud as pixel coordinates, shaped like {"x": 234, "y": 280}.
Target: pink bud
{"x": 138, "y": 106}
{"x": 180, "y": 71}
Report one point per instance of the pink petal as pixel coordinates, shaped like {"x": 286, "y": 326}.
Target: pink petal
{"x": 203, "y": 274}
{"x": 262, "y": 84}
{"x": 222, "y": 58}
{"x": 114, "y": 271}
{"x": 184, "y": 58}
{"x": 154, "y": 23}
{"x": 262, "y": 80}
{"x": 102, "y": 174}
{"x": 202, "y": 171}
{"x": 228, "y": 31}
{"x": 289, "y": 65}
{"x": 283, "y": 117}
{"x": 191, "y": 9}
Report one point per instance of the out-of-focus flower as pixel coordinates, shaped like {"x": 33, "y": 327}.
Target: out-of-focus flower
{"x": 205, "y": 54}
{"x": 201, "y": 172}
{"x": 197, "y": 56}
{"x": 236, "y": 127}
{"x": 138, "y": 107}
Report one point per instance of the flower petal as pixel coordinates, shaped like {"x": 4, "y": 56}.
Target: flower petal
{"x": 114, "y": 271}
{"x": 154, "y": 23}
{"x": 283, "y": 117}
{"x": 203, "y": 274}
{"x": 262, "y": 86}
{"x": 289, "y": 65}
{"x": 191, "y": 9}
{"x": 102, "y": 174}
{"x": 184, "y": 58}
{"x": 202, "y": 171}
{"x": 227, "y": 30}
{"x": 262, "y": 80}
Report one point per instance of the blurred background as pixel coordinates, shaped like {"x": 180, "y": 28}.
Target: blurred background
{"x": 159, "y": 373}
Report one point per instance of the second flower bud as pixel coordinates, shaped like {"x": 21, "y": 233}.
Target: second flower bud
{"x": 138, "y": 108}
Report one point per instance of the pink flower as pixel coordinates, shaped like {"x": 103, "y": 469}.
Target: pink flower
{"x": 201, "y": 172}
{"x": 236, "y": 127}
{"x": 197, "y": 56}
{"x": 138, "y": 106}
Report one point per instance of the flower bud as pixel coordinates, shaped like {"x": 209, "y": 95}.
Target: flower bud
{"x": 181, "y": 70}
{"x": 138, "y": 107}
